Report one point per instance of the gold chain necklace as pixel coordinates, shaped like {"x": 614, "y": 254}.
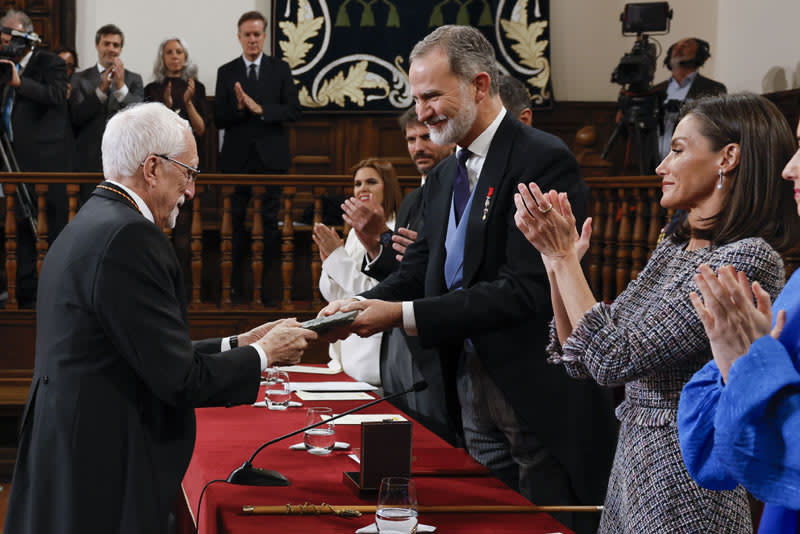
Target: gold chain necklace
{"x": 120, "y": 193}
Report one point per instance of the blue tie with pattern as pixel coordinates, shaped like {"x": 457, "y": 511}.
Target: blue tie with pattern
{"x": 461, "y": 184}
{"x": 8, "y": 104}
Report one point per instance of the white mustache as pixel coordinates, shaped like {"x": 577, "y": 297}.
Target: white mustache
{"x": 435, "y": 120}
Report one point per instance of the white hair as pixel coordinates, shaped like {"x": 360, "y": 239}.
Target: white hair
{"x": 17, "y": 16}
{"x": 138, "y": 131}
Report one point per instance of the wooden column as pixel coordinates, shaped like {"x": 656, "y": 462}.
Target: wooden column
{"x": 623, "y": 268}
{"x": 73, "y": 190}
{"x": 316, "y": 261}
{"x": 639, "y": 238}
{"x": 11, "y": 246}
{"x": 287, "y": 245}
{"x": 41, "y": 226}
{"x": 596, "y": 244}
{"x": 226, "y": 246}
{"x": 609, "y": 289}
{"x": 257, "y": 244}
{"x": 197, "y": 248}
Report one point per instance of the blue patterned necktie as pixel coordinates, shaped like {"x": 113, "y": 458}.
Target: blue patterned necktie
{"x": 461, "y": 184}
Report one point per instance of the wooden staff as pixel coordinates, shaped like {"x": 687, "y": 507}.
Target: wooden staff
{"x": 310, "y": 509}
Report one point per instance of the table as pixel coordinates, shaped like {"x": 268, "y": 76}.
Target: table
{"x": 226, "y": 437}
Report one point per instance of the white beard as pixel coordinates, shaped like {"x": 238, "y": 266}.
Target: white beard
{"x": 173, "y": 216}
{"x": 458, "y": 125}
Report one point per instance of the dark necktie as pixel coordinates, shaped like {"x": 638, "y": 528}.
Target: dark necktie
{"x": 252, "y": 76}
{"x": 461, "y": 184}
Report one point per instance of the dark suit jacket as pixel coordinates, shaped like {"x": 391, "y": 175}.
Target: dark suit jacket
{"x": 109, "y": 426}
{"x": 43, "y": 139}
{"x": 409, "y": 215}
{"x": 89, "y": 115}
{"x": 244, "y": 132}
{"x": 504, "y": 306}
{"x": 701, "y": 86}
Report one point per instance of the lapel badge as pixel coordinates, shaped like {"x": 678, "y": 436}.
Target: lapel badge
{"x": 487, "y": 203}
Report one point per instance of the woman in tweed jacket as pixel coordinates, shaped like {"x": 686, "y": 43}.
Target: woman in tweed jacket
{"x": 724, "y": 170}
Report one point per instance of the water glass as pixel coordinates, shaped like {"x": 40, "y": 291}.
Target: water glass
{"x": 279, "y": 392}
{"x": 397, "y": 506}
{"x": 269, "y": 375}
{"x": 319, "y": 440}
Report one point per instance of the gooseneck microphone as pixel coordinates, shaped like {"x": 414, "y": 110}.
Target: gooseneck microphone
{"x": 247, "y": 475}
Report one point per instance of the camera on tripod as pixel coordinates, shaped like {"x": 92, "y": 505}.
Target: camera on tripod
{"x": 639, "y": 105}
{"x": 16, "y": 44}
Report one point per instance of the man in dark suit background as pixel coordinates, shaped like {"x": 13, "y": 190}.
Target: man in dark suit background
{"x": 36, "y": 121}
{"x": 109, "y": 426}
{"x": 98, "y": 93}
{"x": 683, "y": 59}
{"x": 470, "y": 286}
{"x": 255, "y": 96}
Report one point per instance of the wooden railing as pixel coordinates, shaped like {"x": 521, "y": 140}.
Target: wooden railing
{"x": 211, "y": 214}
{"x": 627, "y": 220}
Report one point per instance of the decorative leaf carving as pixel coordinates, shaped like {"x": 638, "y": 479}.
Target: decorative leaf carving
{"x": 528, "y": 46}
{"x": 297, "y": 46}
{"x": 342, "y": 87}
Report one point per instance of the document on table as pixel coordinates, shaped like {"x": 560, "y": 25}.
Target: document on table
{"x": 333, "y": 395}
{"x": 332, "y": 386}
{"x": 357, "y": 419}
{"x": 310, "y": 369}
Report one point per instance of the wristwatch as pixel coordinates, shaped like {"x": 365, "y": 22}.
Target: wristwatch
{"x": 386, "y": 238}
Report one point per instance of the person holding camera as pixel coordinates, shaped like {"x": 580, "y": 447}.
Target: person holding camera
{"x": 683, "y": 59}
{"x": 35, "y": 120}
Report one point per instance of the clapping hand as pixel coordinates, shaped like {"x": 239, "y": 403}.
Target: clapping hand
{"x": 547, "y": 222}
{"x": 168, "y": 95}
{"x": 243, "y": 100}
{"x": 401, "y": 240}
{"x": 188, "y": 94}
{"x": 368, "y": 221}
{"x": 327, "y": 240}
{"x": 734, "y": 313}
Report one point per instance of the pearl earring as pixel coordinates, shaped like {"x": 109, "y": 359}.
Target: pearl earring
{"x": 721, "y": 178}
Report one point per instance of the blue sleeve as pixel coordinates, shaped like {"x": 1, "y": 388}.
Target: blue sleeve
{"x": 758, "y": 420}
{"x": 697, "y": 411}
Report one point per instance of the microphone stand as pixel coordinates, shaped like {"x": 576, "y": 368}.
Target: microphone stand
{"x": 247, "y": 475}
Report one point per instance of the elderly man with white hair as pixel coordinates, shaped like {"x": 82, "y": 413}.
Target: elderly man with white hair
{"x": 109, "y": 427}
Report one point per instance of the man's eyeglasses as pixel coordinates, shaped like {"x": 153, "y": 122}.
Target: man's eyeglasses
{"x": 191, "y": 172}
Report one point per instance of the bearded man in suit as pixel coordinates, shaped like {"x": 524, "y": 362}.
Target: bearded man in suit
{"x": 98, "y": 93}
{"x": 109, "y": 426}
{"x": 471, "y": 288}
{"x": 254, "y": 98}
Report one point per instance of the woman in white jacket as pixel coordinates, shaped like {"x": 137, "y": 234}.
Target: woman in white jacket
{"x": 374, "y": 185}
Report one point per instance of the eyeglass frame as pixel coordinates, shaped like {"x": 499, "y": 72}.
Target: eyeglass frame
{"x": 192, "y": 173}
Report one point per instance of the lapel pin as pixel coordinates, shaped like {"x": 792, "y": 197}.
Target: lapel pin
{"x": 487, "y": 202}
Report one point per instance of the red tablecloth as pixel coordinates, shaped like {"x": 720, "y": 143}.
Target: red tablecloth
{"x": 226, "y": 437}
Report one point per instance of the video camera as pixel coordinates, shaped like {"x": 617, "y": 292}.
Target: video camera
{"x": 636, "y": 68}
{"x": 15, "y": 49}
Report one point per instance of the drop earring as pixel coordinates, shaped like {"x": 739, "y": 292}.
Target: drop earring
{"x": 721, "y": 179}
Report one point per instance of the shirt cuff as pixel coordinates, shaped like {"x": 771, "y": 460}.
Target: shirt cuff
{"x": 226, "y": 346}
{"x": 101, "y": 96}
{"x": 121, "y": 93}
{"x": 409, "y": 320}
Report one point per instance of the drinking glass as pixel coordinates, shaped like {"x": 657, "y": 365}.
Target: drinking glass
{"x": 319, "y": 440}
{"x": 269, "y": 375}
{"x": 279, "y": 392}
{"x": 397, "y": 506}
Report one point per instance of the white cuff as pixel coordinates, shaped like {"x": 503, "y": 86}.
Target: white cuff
{"x": 121, "y": 93}
{"x": 101, "y": 96}
{"x": 409, "y": 320}
{"x": 226, "y": 346}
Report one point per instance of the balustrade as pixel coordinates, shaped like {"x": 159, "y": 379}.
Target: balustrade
{"x": 627, "y": 220}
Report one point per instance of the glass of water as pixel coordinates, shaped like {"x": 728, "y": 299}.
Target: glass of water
{"x": 319, "y": 440}
{"x": 269, "y": 375}
{"x": 397, "y": 506}
{"x": 279, "y": 392}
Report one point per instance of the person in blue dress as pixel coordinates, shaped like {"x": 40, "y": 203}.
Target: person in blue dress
{"x": 739, "y": 416}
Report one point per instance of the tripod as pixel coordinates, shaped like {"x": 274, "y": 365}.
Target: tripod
{"x": 640, "y": 116}
{"x": 24, "y": 200}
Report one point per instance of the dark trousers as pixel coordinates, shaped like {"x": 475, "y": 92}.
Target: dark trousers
{"x": 241, "y": 242}
{"x": 508, "y": 446}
